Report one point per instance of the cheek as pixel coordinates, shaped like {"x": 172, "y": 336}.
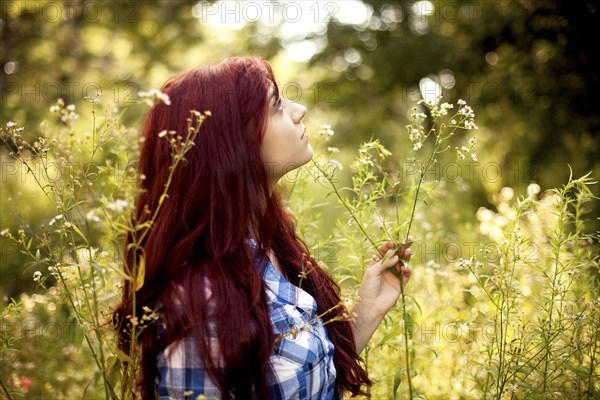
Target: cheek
{"x": 272, "y": 151}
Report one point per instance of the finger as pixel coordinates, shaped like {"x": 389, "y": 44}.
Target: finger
{"x": 384, "y": 248}
{"x": 386, "y": 264}
{"x": 406, "y": 271}
{"x": 406, "y": 254}
{"x": 409, "y": 241}
{"x": 404, "y": 251}
{"x": 382, "y": 251}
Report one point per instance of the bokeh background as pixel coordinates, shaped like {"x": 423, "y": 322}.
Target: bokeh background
{"x": 529, "y": 69}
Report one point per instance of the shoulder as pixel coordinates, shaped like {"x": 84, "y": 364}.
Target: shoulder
{"x": 181, "y": 374}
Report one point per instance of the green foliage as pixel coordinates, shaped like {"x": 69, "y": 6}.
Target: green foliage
{"x": 77, "y": 253}
{"x": 517, "y": 319}
{"x": 542, "y": 293}
{"x": 469, "y": 327}
{"x": 515, "y": 61}
{"x": 503, "y": 302}
{"x": 80, "y": 253}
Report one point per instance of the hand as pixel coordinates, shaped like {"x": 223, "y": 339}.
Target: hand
{"x": 381, "y": 286}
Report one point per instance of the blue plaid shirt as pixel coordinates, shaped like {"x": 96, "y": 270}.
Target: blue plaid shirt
{"x": 301, "y": 366}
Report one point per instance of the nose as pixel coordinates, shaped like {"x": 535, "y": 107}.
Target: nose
{"x": 298, "y": 113}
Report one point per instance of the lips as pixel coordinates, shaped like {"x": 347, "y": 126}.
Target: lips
{"x": 303, "y": 134}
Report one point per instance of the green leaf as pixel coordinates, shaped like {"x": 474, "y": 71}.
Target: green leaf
{"x": 124, "y": 358}
{"x": 113, "y": 267}
{"x": 409, "y": 323}
{"x": 76, "y": 229}
{"x": 78, "y": 334}
{"x": 111, "y": 372}
{"x": 397, "y": 381}
{"x": 141, "y": 272}
{"x": 416, "y": 303}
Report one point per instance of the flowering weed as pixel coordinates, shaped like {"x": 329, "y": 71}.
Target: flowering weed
{"x": 505, "y": 305}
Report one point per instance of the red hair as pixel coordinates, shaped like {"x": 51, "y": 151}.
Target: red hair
{"x": 215, "y": 199}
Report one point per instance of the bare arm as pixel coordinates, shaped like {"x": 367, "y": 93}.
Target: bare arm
{"x": 378, "y": 293}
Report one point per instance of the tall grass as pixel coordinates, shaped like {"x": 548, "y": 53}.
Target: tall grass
{"x": 512, "y": 312}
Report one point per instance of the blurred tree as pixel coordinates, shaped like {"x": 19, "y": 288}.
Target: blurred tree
{"x": 106, "y": 51}
{"x": 74, "y": 49}
{"x": 527, "y": 68}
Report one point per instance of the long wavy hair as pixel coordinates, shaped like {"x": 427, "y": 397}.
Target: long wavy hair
{"x": 219, "y": 196}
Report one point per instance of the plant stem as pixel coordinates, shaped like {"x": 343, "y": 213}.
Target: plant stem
{"x": 5, "y": 390}
{"x": 402, "y": 295}
{"x": 406, "y": 352}
{"x": 557, "y": 247}
{"x": 345, "y": 204}
{"x": 352, "y": 214}
{"x": 439, "y": 138}
{"x": 590, "y": 379}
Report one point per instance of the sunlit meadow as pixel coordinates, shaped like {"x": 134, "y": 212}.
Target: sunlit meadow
{"x": 503, "y": 303}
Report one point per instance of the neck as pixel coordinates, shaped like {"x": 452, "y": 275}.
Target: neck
{"x": 273, "y": 184}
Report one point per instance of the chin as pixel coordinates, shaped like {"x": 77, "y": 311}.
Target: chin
{"x": 309, "y": 155}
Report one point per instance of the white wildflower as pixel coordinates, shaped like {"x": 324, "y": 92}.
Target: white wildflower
{"x": 462, "y": 263}
{"x": 447, "y": 106}
{"x": 512, "y": 388}
{"x": 11, "y": 124}
{"x": 325, "y": 130}
{"x": 117, "y": 205}
{"x": 154, "y": 96}
{"x": 53, "y": 220}
{"x": 533, "y": 189}
{"x": 442, "y": 110}
{"x": 91, "y": 216}
{"x": 470, "y": 125}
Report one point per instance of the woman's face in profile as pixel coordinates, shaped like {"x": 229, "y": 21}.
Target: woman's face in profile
{"x": 285, "y": 143}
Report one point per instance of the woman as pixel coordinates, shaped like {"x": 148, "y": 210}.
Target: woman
{"x": 238, "y": 296}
